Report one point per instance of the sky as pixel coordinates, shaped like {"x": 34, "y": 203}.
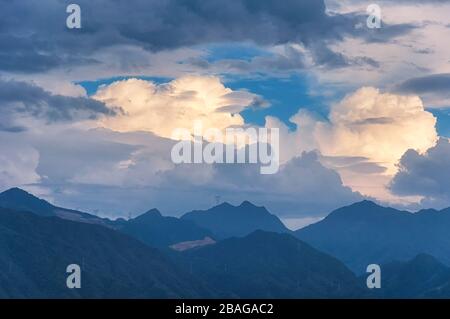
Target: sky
{"x": 363, "y": 113}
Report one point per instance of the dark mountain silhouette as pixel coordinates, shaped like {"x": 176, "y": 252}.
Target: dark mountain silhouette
{"x": 263, "y": 260}
{"x": 150, "y": 228}
{"x": 366, "y": 233}
{"x": 156, "y": 230}
{"x": 422, "y": 277}
{"x": 271, "y": 265}
{"x": 35, "y": 251}
{"x": 226, "y": 220}
{"x": 18, "y": 199}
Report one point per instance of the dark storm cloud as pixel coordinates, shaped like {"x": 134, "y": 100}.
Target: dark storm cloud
{"x": 433, "y": 89}
{"x": 34, "y": 38}
{"x": 425, "y": 174}
{"x": 21, "y": 98}
{"x": 4, "y": 127}
{"x": 291, "y": 59}
{"x": 435, "y": 83}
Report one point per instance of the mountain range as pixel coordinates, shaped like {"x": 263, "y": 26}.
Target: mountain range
{"x": 365, "y": 233}
{"x": 18, "y": 199}
{"x": 229, "y": 251}
{"x": 271, "y": 265}
{"x": 159, "y": 231}
{"x": 152, "y": 228}
{"x": 421, "y": 277}
{"x": 35, "y": 251}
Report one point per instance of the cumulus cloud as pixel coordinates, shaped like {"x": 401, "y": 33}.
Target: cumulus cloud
{"x": 425, "y": 175}
{"x": 365, "y": 136}
{"x": 290, "y": 193}
{"x": 373, "y": 127}
{"x": 68, "y": 159}
{"x": 378, "y": 126}
{"x": 178, "y": 104}
{"x": 118, "y": 169}
{"x": 368, "y": 123}
{"x": 115, "y": 173}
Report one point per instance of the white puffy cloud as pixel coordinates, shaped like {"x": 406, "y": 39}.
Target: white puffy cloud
{"x": 378, "y": 126}
{"x": 115, "y": 173}
{"x": 178, "y": 104}
{"x": 117, "y": 170}
{"x": 368, "y": 126}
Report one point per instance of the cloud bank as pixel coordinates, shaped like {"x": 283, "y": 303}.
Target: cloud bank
{"x": 178, "y": 104}
{"x": 425, "y": 175}
{"x": 365, "y": 136}
{"x": 22, "y": 102}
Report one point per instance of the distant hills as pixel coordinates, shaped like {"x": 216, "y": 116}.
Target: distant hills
{"x": 422, "y": 277}
{"x": 271, "y": 265}
{"x": 18, "y": 199}
{"x": 226, "y": 220}
{"x": 35, "y": 251}
{"x": 156, "y": 230}
{"x": 227, "y": 251}
{"x": 366, "y": 233}
{"x": 219, "y": 222}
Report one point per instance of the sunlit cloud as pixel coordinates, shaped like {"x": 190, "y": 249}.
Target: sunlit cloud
{"x": 162, "y": 108}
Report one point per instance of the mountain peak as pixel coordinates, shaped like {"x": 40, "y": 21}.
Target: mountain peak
{"x": 223, "y": 205}
{"x": 152, "y": 213}
{"x": 18, "y": 199}
{"x": 246, "y": 203}
{"x": 227, "y": 220}
{"x": 365, "y": 209}
{"x": 365, "y": 203}
{"x": 425, "y": 259}
{"x": 15, "y": 191}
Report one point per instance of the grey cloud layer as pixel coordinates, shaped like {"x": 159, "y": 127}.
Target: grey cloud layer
{"x": 24, "y": 99}
{"x": 435, "y": 83}
{"x": 117, "y": 173}
{"x": 34, "y": 38}
{"x": 425, "y": 175}
{"x": 434, "y": 88}
{"x": 292, "y": 192}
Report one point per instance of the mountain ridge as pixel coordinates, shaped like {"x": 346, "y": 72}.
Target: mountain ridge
{"x": 21, "y": 200}
{"x": 35, "y": 251}
{"x": 226, "y": 220}
{"x": 420, "y": 277}
{"x": 271, "y": 265}
{"x": 364, "y": 233}
{"x": 160, "y": 231}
